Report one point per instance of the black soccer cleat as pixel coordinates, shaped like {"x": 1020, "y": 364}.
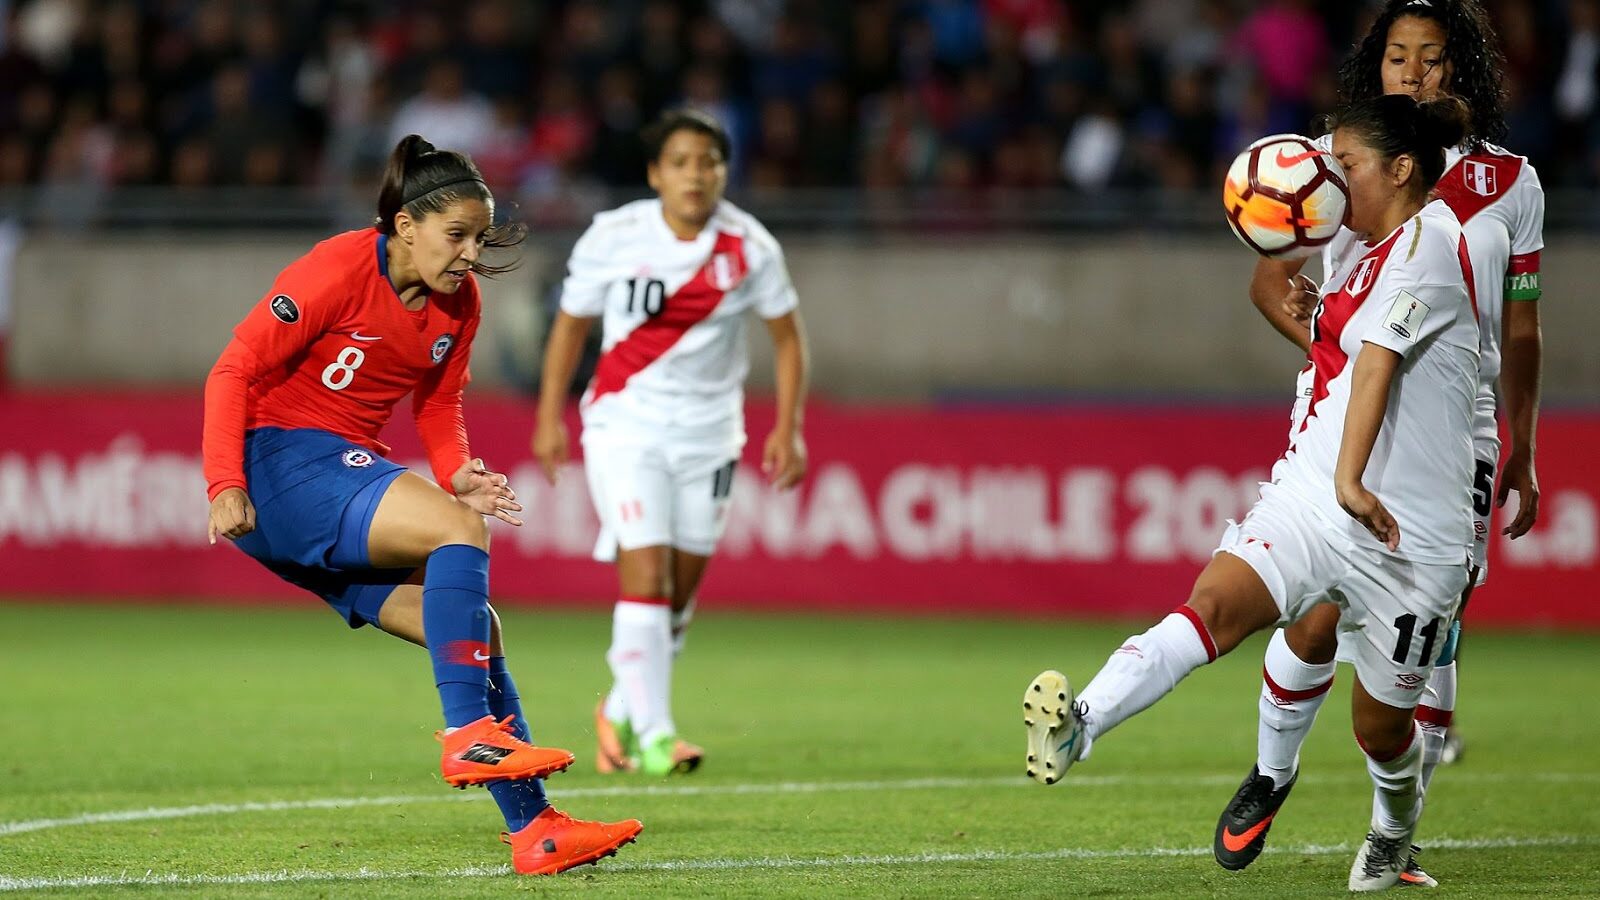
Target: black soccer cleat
{"x": 1242, "y": 828}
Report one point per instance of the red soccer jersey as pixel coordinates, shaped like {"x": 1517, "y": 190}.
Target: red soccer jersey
{"x": 331, "y": 346}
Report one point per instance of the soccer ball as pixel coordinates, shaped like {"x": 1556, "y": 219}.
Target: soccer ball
{"x": 1284, "y": 197}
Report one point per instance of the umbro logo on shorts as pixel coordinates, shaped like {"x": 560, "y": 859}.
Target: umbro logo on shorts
{"x": 485, "y": 754}
{"x": 1409, "y": 681}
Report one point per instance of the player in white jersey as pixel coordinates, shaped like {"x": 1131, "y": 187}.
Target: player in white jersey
{"x": 1371, "y": 505}
{"x": 672, "y": 279}
{"x": 1420, "y": 48}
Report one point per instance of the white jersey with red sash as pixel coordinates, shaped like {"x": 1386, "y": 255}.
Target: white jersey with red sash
{"x": 673, "y": 356}
{"x": 1497, "y": 197}
{"x": 1410, "y": 293}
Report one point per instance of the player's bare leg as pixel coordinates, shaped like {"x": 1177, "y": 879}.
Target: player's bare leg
{"x": 1388, "y": 736}
{"x": 1436, "y": 723}
{"x": 1296, "y": 675}
{"x": 638, "y": 709}
{"x": 419, "y": 525}
{"x": 417, "y": 517}
{"x": 688, "y": 570}
{"x": 633, "y": 724}
{"x": 1229, "y": 602}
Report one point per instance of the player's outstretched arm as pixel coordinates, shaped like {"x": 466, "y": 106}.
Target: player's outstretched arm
{"x": 783, "y": 457}
{"x": 1268, "y": 287}
{"x": 561, "y": 352}
{"x": 1369, "y": 400}
{"x": 1522, "y": 355}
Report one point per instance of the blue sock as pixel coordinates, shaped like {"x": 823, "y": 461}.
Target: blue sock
{"x": 519, "y": 800}
{"x": 455, "y": 622}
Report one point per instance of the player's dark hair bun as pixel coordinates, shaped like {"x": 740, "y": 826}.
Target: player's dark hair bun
{"x": 423, "y": 180}
{"x": 1443, "y": 122}
{"x": 1396, "y": 124}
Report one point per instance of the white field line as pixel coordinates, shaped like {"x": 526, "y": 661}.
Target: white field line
{"x": 792, "y": 787}
{"x": 748, "y": 863}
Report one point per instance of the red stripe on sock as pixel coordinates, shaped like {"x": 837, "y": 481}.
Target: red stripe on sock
{"x": 1389, "y": 757}
{"x": 1200, "y": 629}
{"x": 1427, "y": 715}
{"x": 1288, "y": 696}
{"x": 648, "y": 601}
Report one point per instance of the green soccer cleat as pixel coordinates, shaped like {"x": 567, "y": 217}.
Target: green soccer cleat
{"x": 666, "y": 755}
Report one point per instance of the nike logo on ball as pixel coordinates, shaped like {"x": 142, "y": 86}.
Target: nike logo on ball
{"x": 1298, "y": 158}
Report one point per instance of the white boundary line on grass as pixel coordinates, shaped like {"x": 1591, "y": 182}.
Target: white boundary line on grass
{"x": 724, "y": 864}
{"x": 771, "y": 788}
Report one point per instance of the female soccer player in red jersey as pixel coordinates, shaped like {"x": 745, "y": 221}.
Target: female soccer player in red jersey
{"x": 673, "y": 278}
{"x": 1421, "y": 48}
{"x": 1370, "y": 505}
{"x": 297, "y": 475}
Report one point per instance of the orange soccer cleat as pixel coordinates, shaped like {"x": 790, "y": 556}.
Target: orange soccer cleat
{"x": 555, "y": 842}
{"x": 487, "y": 750}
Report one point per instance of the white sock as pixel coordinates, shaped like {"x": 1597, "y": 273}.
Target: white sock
{"x": 617, "y": 701}
{"x": 1397, "y": 790}
{"x": 1292, "y": 690}
{"x": 1143, "y": 670}
{"x": 680, "y": 626}
{"x": 641, "y": 662}
{"x": 1434, "y": 713}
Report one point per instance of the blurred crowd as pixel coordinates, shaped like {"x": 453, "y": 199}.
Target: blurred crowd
{"x": 549, "y": 97}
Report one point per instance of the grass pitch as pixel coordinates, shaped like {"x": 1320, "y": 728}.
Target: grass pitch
{"x": 269, "y": 752}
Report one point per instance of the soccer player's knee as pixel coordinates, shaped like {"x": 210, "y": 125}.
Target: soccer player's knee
{"x": 645, "y": 576}
{"x": 1383, "y": 736}
{"x": 1311, "y": 641}
{"x": 465, "y": 526}
{"x": 1212, "y": 607}
{"x": 1225, "y": 616}
{"x": 651, "y": 581}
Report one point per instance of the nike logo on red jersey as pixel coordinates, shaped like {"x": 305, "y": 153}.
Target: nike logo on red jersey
{"x": 358, "y": 336}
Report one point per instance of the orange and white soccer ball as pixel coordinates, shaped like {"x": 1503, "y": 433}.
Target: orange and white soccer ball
{"x": 1284, "y": 197}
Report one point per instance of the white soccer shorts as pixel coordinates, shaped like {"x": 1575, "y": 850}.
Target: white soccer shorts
{"x": 1394, "y": 613}
{"x": 651, "y": 492}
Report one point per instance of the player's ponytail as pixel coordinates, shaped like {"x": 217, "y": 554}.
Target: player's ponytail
{"x": 1396, "y": 125}
{"x": 422, "y": 180}
{"x": 1442, "y": 122}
